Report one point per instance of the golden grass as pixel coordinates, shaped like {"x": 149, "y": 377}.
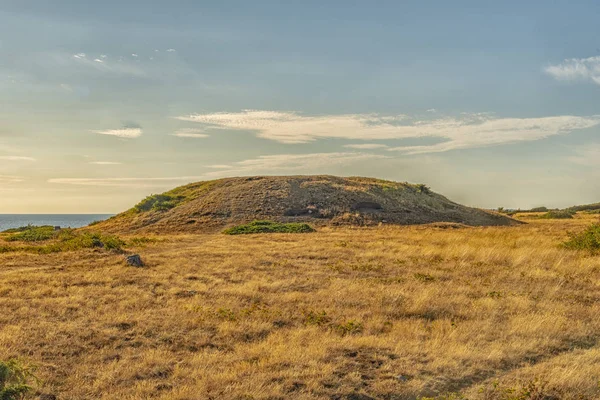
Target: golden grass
{"x": 388, "y": 312}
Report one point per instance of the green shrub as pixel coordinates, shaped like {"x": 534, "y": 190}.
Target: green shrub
{"x": 316, "y": 318}
{"x": 558, "y": 214}
{"x": 350, "y": 327}
{"x": 539, "y": 209}
{"x": 32, "y": 234}
{"x": 269, "y": 227}
{"x": 424, "y": 277}
{"x": 70, "y": 240}
{"x": 158, "y": 202}
{"x": 588, "y": 240}
{"x": 585, "y": 207}
{"x": 14, "y": 380}
{"x": 20, "y": 229}
{"x": 422, "y": 188}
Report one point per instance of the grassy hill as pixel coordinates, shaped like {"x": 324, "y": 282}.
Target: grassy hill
{"x": 320, "y": 200}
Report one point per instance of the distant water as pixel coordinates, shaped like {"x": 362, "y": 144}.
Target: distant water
{"x": 8, "y": 221}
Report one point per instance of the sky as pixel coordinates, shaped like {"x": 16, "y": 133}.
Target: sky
{"x": 492, "y": 104}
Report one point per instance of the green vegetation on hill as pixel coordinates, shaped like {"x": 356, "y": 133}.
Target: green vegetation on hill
{"x": 158, "y": 202}
{"x": 172, "y": 198}
{"x": 269, "y": 227}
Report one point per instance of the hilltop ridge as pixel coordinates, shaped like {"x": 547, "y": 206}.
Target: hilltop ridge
{"x": 319, "y": 199}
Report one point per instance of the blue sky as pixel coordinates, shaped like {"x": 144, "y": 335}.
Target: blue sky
{"x": 490, "y": 103}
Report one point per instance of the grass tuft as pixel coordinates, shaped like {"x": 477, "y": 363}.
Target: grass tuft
{"x": 269, "y": 227}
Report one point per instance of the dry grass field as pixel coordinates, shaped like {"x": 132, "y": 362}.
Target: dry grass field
{"x": 370, "y": 313}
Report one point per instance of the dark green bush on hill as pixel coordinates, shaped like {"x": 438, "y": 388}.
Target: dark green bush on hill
{"x": 158, "y": 202}
{"x": 560, "y": 214}
{"x": 269, "y": 227}
{"x": 588, "y": 240}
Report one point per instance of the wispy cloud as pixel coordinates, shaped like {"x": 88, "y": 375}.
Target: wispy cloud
{"x": 16, "y": 158}
{"x": 219, "y": 166}
{"x": 127, "y": 133}
{"x": 102, "y": 64}
{"x": 10, "y": 179}
{"x": 576, "y": 69}
{"x": 465, "y": 131}
{"x": 271, "y": 164}
{"x": 190, "y": 133}
{"x": 492, "y": 132}
{"x": 105, "y": 163}
{"x": 299, "y": 162}
{"x": 588, "y": 155}
{"x": 366, "y": 146}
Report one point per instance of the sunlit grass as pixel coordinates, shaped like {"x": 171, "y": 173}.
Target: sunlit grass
{"x": 388, "y": 312}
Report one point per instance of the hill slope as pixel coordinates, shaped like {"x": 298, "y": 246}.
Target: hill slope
{"x": 330, "y": 200}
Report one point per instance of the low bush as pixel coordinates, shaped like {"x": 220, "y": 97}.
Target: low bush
{"x": 538, "y": 209}
{"x": 32, "y": 234}
{"x": 588, "y": 240}
{"x": 20, "y": 229}
{"x": 559, "y": 214}
{"x": 14, "y": 380}
{"x": 349, "y": 328}
{"x": 269, "y": 227}
{"x": 64, "y": 240}
{"x": 422, "y": 188}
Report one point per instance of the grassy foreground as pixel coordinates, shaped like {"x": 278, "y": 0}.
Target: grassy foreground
{"x": 383, "y": 313}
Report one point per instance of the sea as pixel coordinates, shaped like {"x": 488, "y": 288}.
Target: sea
{"x": 9, "y": 221}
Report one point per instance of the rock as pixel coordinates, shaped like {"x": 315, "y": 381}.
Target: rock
{"x": 57, "y": 228}
{"x": 134, "y": 261}
{"x": 402, "y": 378}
